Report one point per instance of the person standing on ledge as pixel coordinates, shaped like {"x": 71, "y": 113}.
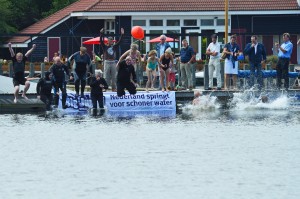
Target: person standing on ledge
{"x": 213, "y": 50}
{"x": 81, "y": 65}
{"x": 109, "y": 57}
{"x": 257, "y": 55}
{"x": 284, "y": 56}
{"x": 231, "y": 50}
{"x": 126, "y": 77}
{"x": 19, "y": 71}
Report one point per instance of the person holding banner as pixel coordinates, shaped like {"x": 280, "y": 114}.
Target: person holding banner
{"x": 126, "y": 77}
{"x": 97, "y": 85}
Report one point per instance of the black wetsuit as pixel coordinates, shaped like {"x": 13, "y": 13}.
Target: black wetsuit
{"x": 59, "y": 82}
{"x": 166, "y": 63}
{"x": 43, "y": 89}
{"x": 124, "y": 79}
{"x": 19, "y": 71}
{"x": 97, "y": 92}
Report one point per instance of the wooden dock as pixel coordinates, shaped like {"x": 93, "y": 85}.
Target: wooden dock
{"x": 22, "y": 106}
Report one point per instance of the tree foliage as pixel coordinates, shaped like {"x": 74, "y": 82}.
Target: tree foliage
{"x": 19, "y": 14}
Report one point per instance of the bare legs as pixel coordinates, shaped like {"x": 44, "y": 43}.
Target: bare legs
{"x": 17, "y": 88}
{"x": 228, "y": 82}
{"x": 164, "y": 75}
{"x": 150, "y": 73}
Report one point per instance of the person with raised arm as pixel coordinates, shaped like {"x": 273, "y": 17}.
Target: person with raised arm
{"x": 109, "y": 57}
{"x": 19, "y": 71}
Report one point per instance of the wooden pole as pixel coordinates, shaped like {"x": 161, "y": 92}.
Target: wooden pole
{"x": 226, "y": 21}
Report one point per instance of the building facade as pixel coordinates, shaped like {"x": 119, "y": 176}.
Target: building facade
{"x": 194, "y": 20}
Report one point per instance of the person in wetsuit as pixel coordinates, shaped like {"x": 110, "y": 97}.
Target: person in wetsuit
{"x": 44, "y": 88}
{"x": 19, "y": 71}
{"x": 97, "y": 85}
{"x": 58, "y": 70}
{"x": 81, "y": 66}
{"x": 126, "y": 77}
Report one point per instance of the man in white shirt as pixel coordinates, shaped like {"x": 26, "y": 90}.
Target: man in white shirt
{"x": 214, "y": 62}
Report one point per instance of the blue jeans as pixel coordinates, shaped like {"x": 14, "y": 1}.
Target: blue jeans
{"x": 257, "y": 67}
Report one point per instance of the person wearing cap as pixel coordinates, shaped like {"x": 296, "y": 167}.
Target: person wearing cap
{"x": 135, "y": 55}
{"x": 213, "y": 50}
{"x": 109, "y": 57}
{"x": 44, "y": 88}
{"x": 284, "y": 56}
{"x": 97, "y": 85}
{"x": 257, "y": 56}
{"x": 59, "y": 70}
{"x": 81, "y": 66}
{"x": 165, "y": 62}
{"x": 126, "y": 78}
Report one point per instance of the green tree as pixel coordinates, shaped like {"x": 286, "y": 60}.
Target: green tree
{"x": 58, "y": 5}
{"x": 5, "y": 16}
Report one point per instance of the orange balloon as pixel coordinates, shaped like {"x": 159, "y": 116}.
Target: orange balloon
{"x": 137, "y": 32}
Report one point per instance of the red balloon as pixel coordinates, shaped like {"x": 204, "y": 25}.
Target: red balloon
{"x": 137, "y": 32}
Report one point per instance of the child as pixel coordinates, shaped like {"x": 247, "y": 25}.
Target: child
{"x": 172, "y": 74}
{"x": 43, "y": 90}
{"x": 97, "y": 85}
{"x": 152, "y": 62}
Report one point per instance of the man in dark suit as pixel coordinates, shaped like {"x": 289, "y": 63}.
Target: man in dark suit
{"x": 257, "y": 55}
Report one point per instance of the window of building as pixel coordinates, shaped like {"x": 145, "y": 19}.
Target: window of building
{"x": 109, "y": 26}
{"x": 156, "y": 22}
{"x": 221, "y": 22}
{"x": 173, "y": 22}
{"x": 139, "y": 22}
{"x": 207, "y": 22}
{"x": 190, "y": 22}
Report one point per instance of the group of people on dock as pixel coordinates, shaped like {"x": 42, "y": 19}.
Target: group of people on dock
{"x": 128, "y": 72}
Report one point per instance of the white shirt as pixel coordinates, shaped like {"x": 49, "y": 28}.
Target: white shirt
{"x": 162, "y": 49}
{"x": 214, "y": 47}
{"x": 255, "y": 48}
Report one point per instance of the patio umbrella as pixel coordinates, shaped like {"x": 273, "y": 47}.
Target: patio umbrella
{"x": 96, "y": 40}
{"x": 157, "y": 39}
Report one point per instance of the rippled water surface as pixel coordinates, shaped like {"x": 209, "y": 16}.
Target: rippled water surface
{"x": 209, "y": 153}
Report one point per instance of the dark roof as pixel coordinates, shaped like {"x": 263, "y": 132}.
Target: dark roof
{"x": 155, "y": 6}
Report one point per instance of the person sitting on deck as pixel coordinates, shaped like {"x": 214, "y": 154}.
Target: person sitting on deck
{"x": 19, "y": 71}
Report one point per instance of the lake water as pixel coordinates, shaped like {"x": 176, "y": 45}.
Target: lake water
{"x": 250, "y": 151}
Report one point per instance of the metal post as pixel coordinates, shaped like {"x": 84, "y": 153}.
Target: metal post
{"x": 193, "y": 74}
{"x": 10, "y": 69}
{"x": 222, "y": 73}
{"x": 42, "y": 70}
{"x": 291, "y": 80}
{"x": 226, "y": 21}
{"x": 206, "y": 78}
{"x": 1, "y": 71}
{"x": 31, "y": 70}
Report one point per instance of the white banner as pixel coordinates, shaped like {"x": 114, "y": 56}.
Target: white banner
{"x": 142, "y": 101}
